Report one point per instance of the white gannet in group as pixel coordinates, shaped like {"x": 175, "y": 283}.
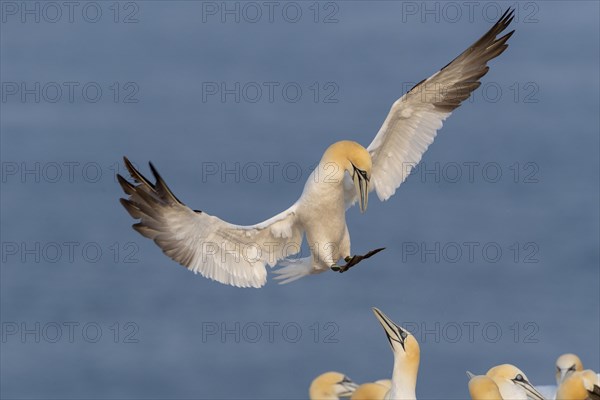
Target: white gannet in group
{"x": 513, "y": 383}
{"x": 238, "y": 255}
{"x": 331, "y": 386}
{"x": 566, "y": 365}
{"x": 482, "y": 387}
{"x": 407, "y": 355}
{"x": 580, "y": 385}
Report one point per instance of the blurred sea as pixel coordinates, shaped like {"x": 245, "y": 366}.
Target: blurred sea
{"x": 513, "y": 176}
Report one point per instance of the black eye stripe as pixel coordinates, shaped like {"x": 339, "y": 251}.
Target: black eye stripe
{"x": 362, "y": 173}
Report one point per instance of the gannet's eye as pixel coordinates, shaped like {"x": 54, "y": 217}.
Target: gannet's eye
{"x": 403, "y": 335}
{"x": 519, "y": 378}
{"x": 572, "y": 367}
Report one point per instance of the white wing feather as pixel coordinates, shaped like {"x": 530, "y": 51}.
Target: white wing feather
{"x": 231, "y": 254}
{"x": 415, "y": 118}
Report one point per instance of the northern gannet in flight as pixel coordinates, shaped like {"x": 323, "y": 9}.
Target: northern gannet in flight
{"x": 482, "y": 387}
{"x": 566, "y": 365}
{"x": 238, "y": 255}
{"x": 331, "y": 386}
{"x": 513, "y": 383}
{"x": 407, "y": 356}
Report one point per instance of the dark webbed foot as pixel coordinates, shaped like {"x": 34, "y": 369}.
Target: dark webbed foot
{"x": 352, "y": 261}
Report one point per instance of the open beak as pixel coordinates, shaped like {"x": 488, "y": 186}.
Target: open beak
{"x": 392, "y": 330}
{"x": 532, "y": 392}
{"x": 361, "y": 184}
{"x": 346, "y": 387}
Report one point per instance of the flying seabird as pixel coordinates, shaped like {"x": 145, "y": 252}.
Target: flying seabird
{"x": 238, "y": 255}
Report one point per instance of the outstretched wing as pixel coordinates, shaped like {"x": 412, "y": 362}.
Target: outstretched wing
{"x": 415, "y": 118}
{"x": 231, "y": 254}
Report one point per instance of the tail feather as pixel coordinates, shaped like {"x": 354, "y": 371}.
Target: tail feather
{"x": 293, "y": 269}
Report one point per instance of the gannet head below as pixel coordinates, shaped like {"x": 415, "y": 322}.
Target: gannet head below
{"x": 404, "y": 345}
{"x": 351, "y": 157}
{"x": 331, "y": 385}
{"x": 508, "y": 374}
{"x": 566, "y": 365}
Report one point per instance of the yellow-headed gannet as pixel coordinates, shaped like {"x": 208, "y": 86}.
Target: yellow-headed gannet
{"x": 581, "y": 385}
{"x": 407, "y": 355}
{"x": 370, "y": 391}
{"x": 331, "y": 386}
{"x": 482, "y": 387}
{"x": 513, "y": 383}
{"x": 238, "y": 255}
{"x": 566, "y": 365}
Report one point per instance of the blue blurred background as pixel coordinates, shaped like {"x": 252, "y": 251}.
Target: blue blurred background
{"x": 90, "y": 309}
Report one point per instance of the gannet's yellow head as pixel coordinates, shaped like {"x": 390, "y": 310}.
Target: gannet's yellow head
{"x": 566, "y": 365}
{"x": 351, "y": 157}
{"x": 580, "y": 385}
{"x": 370, "y": 391}
{"x": 330, "y": 386}
{"x": 404, "y": 345}
{"x": 507, "y": 373}
{"x": 483, "y": 387}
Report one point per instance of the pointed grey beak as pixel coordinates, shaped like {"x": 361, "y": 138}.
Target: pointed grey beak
{"x": 470, "y": 375}
{"x": 532, "y": 392}
{"x": 346, "y": 387}
{"x": 361, "y": 184}
{"x": 393, "y": 331}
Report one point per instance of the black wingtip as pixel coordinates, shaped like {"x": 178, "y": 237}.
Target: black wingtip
{"x": 161, "y": 185}
{"x": 127, "y": 187}
{"x": 154, "y": 171}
